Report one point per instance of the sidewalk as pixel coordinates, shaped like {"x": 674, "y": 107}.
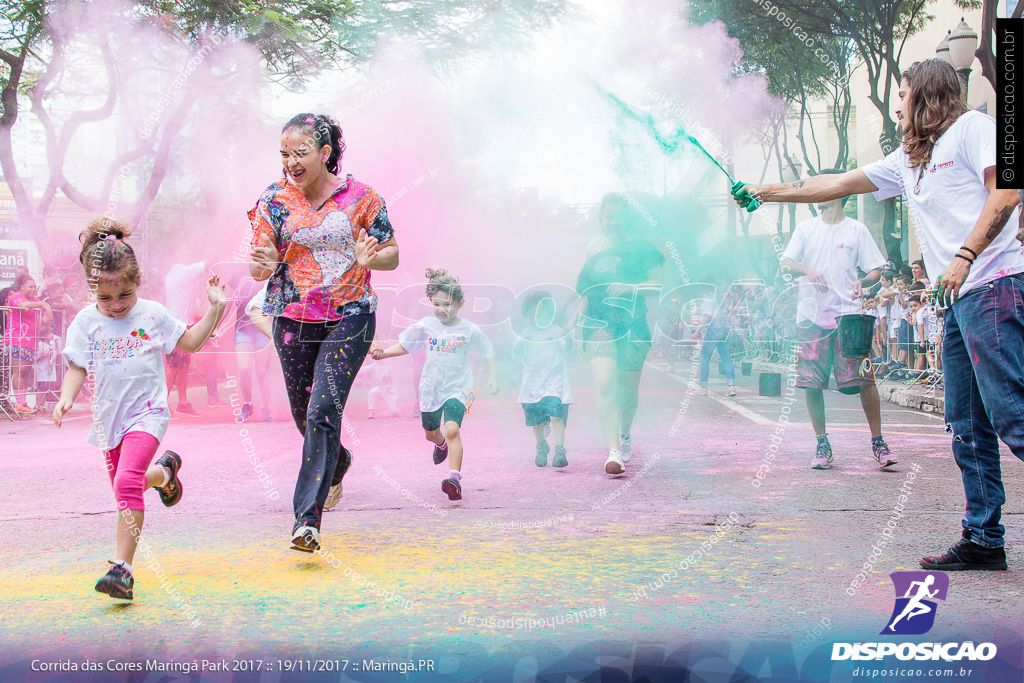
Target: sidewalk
{"x": 928, "y": 399}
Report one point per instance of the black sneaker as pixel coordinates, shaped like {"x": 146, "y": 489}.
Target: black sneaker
{"x": 967, "y": 555}
{"x": 440, "y": 453}
{"x": 117, "y": 583}
{"x": 880, "y": 450}
{"x": 171, "y": 493}
{"x": 245, "y": 413}
{"x": 453, "y": 487}
{"x": 822, "y": 456}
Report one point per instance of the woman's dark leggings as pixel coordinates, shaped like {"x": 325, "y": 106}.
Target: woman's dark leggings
{"x": 320, "y": 362}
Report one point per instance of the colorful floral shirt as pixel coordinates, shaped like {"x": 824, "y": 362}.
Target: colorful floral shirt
{"x": 317, "y": 277}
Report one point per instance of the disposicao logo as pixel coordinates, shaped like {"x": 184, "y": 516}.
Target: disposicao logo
{"x": 914, "y": 611}
{"x": 914, "y": 614}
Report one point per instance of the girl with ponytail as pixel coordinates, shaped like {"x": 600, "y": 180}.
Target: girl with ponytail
{"x": 116, "y": 343}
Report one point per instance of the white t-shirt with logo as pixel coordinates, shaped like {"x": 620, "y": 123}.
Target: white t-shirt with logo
{"x": 545, "y": 369}
{"x": 446, "y": 370}
{"x": 836, "y": 251}
{"x": 122, "y": 357}
{"x": 952, "y": 195}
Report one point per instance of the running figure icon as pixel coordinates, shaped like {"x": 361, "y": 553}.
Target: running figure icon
{"x": 915, "y": 607}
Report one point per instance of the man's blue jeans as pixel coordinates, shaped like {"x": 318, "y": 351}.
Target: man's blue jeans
{"x": 983, "y": 362}
{"x": 716, "y": 337}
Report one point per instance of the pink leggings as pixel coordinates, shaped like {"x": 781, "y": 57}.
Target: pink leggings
{"x": 127, "y": 464}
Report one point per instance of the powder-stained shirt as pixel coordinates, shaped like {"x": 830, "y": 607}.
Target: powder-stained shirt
{"x": 950, "y": 199}
{"x": 317, "y": 277}
{"x": 545, "y": 369}
{"x": 23, "y": 324}
{"x": 446, "y": 371}
{"x": 122, "y": 357}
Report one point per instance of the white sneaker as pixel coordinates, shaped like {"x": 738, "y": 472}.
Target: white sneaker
{"x": 703, "y": 391}
{"x": 625, "y": 448}
{"x": 731, "y": 392}
{"x": 306, "y": 539}
{"x": 333, "y": 496}
{"x": 614, "y": 464}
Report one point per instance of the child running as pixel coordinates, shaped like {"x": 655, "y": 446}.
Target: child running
{"x": 545, "y": 393}
{"x": 447, "y": 379}
{"x": 117, "y": 342}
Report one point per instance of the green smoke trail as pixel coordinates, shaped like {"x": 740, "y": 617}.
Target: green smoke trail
{"x": 672, "y": 143}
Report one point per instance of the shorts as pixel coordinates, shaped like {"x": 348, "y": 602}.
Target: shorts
{"x": 253, "y": 337}
{"x": 626, "y": 351}
{"x": 541, "y": 412}
{"x": 819, "y": 355}
{"x": 453, "y": 411}
{"x": 905, "y": 334}
{"x": 23, "y": 353}
{"x": 178, "y": 359}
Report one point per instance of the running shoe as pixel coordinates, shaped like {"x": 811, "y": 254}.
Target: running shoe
{"x": 24, "y": 409}
{"x": 440, "y": 453}
{"x": 246, "y": 413}
{"x": 625, "y": 448}
{"x": 614, "y": 464}
{"x": 187, "y": 409}
{"x": 703, "y": 391}
{"x": 334, "y": 494}
{"x": 882, "y": 456}
{"x": 370, "y": 415}
{"x": 731, "y": 392}
{"x": 216, "y": 403}
{"x": 117, "y": 582}
{"x": 306, "y": 539}
{"x": 542, "y": 454}
{"x": 265, "y": 415}
{"x": 170, "y": 493}
{"x": 453, "y": 487}
{"x": 823, "y": 456}
{"x": 559, "y": 459}
{"x": 967, "y": 555}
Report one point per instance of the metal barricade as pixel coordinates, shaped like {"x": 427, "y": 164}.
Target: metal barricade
{"x": 31, "y": 366}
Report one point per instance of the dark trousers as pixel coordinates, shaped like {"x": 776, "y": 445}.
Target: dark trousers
{"x": 320, "y": 362}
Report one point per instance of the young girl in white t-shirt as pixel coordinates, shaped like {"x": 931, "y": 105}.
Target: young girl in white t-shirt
{"x": 545, "y": 394}
{"x": 117, "y": 344}
{"x": 447, "y": 379}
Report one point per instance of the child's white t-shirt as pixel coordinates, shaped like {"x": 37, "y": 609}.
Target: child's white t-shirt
{"x": 123, "y": 359}
{"x": 927, "y": 318}
{"x": 380, "y": 377}
{"x": 446, "y": 370}
{"x": 545, "y": 369}
{"x": 46, "y": 369}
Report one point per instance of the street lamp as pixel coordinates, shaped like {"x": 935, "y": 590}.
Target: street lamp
{"x": 942, "y": 50}
{"x": 963, "y": 44}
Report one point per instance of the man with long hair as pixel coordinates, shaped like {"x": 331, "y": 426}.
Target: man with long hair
{"x": 946, "y": 168}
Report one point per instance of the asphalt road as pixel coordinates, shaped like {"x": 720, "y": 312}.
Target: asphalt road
{"x": 488, "y": 581}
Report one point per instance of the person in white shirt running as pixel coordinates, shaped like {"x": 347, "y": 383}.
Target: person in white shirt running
{"x": 946, "y": 169}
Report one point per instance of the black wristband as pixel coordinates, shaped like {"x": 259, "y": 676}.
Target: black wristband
{"x": 964, "y": 258}
{"x": 973, "y": 253}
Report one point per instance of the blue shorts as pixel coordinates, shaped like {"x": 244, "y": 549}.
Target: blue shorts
{"x": 253, "y": 337}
